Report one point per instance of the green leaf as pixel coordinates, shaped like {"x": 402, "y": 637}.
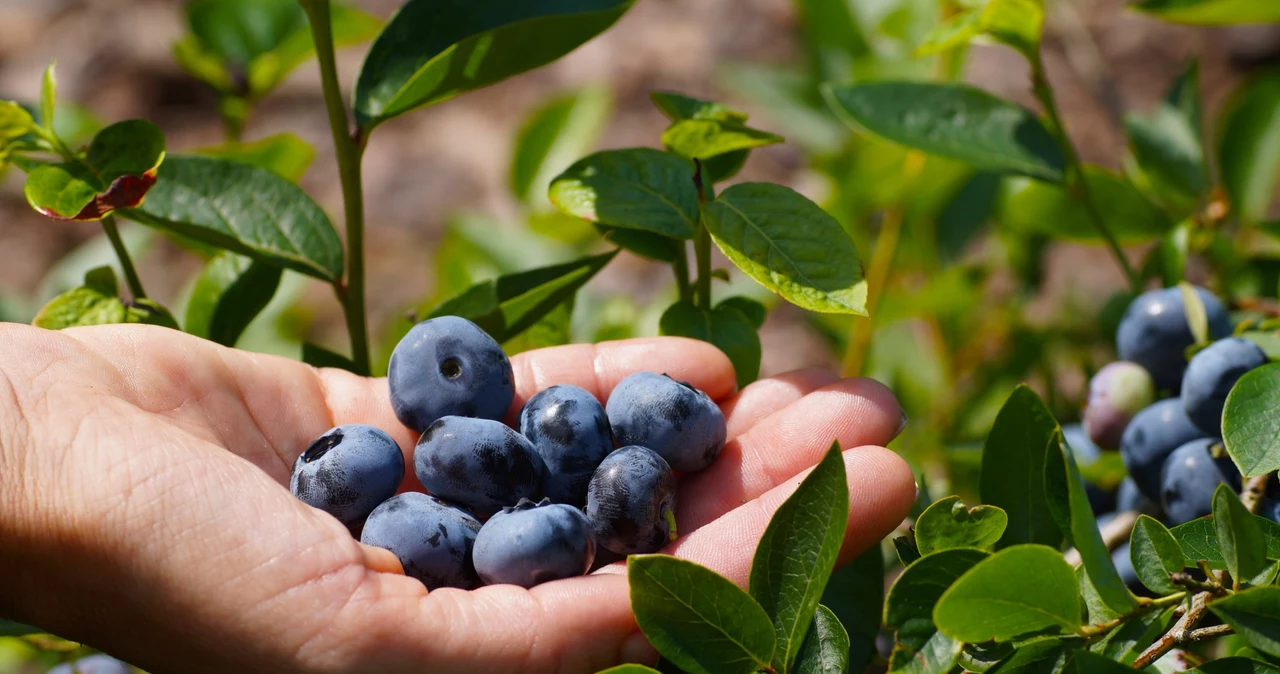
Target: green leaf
{"x": 1166, "y": 144}
{"x": 1017, "y": 23}
{"x": 1035, "y": 207}
{"x": 1210, "y": 12}
{"x": 1085, "y": 536}
{"x": 1255, "y": 615}
{"x": 508, "y": 305}
{"x": 350, "y": 26}
{"x": 1040, "y": 656}
{"x": 148, "y": 312}
{"x": 431, "y": 51}
{"x": 1243, "y": 548}
{"x": 726, "y": 327}
{"x": 48, "y": 96}
{"x": 118, "y": 172}
{"x": 1155, "y": 554}
{"x": 1249, "y": 145}
{"x": 679, "y": 107}
{"x": 97, "y": 302}
{"x": 8, "y": 628}
{"x": 966, "y": 213}
{"x": 1126, "y": 642}
{"x": 826, "y": 646}
{"x": 953, "y": 120}
{"x": 238, "y": 31}
{"x": 554, "y": 136}
{"x": 1199, "y": 540}
{"x": 956, "y": 31}
{"x": 797, "y": 553}
{"x": 1013, "y": 462}
{"x": 723, "y": 167}
{"x": 629, "y": 669}
{"x": 938, "y": 655}
{"x": 642, "y": 243}
{"x": 637, "y": 188}
{"x": 789, "y": 245}
{"x": 753, "y": 310}
{"x": 1021, "y": 589}
{"x": 855, "y": 594}
{"x": 1236, "y": 666}
{"x": 905, "y": 546}
{"x": 708, "y": 138}
{"x": 697, "y": 619}
{"x": 949, "y": 524}
{"x": 284, "y": 154}
{"x": 318, "y": 356}
{"x": 1251, "y": 421}
{"x": 244, "y": 209}
{"x": 1197, "y": 317}
{"x": 1092, "y": 663}
{"x": 909, "y": 607}
{"x": 229, "y": 293}
{"x": 15, "y": 122}
{"x": 553, "y": 329}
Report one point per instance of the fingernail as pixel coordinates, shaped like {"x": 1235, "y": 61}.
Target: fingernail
{"x": 902, "y": 426}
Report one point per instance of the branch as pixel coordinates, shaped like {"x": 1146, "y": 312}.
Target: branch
{"x": 1180, "y": 634}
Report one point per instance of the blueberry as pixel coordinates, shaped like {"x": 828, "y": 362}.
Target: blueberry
{"x": 1154, "y": 332}
{"x": 631, "y": 502}
{"x": 99, "y": 663}
{"x": 432, "y": 539}
{"x": 534, "y": 543}
{"x": 568, "y": 427}
{"x": 1190, "y": 477}
{"x": 348, "y": 471}
{"x": 1129, "y": 499}
{"x": 1083, "y": 448}
{"x": 670, "y": 417}
{"x": 479, "y": 464}
{"x": 1150, "y": 438}
{"x": 448, "y": 366}
{"x": 1116, "y": 393}
{"x": 1271, "y": 510}
{"x": 1210, "y": 376}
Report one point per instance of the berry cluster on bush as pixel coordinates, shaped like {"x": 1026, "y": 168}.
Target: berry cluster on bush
{"x": 505, "y": 506}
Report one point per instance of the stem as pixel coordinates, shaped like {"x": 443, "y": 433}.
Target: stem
{"x": 1143, "y": 607}
{"x": 855, "y": 352}
{"x": 349, "y": 150}
{"x": 126, "y": 263}
{"x": 1076, "y": 183}
{"x": 681, "y": 266}
{"x": 1178, "y": 635}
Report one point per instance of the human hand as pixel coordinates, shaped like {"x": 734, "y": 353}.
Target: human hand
{"x": 143, "y": 508}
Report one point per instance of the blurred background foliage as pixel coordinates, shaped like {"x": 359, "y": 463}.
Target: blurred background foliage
{"x": 978, "y": 281}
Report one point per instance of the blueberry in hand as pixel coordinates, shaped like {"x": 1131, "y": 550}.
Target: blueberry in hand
{"x": 568, "y": 427}
{"x": 1150, "y": 438}
{"x": 432, "y": 539}
{"x": 631, "y": 502}
{"x": 1210, "y": 376}
{"x": 448, "y": 366}
{"x": 99, "y": 663}
{"x": 1116, "y": 393}
{"x": 348, "y": 471}
{"x": 1190, "y": 477}
{"x": 1154, "y": 332}
{"x": 672, "y": 418}
{"x": 479, "y": 464}
{"x": 530, "y": 544}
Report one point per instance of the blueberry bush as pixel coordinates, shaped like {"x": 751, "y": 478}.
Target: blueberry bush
{"x": 1133, "y": 523}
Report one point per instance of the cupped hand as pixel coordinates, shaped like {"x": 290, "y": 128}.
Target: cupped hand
{"x": 143, "y": 506}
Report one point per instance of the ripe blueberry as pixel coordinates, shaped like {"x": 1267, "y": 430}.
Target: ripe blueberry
{"x": 672, "y": 418}
{"x": 99, "y": 663}
{"x": 448, "y": 366}
{"x": 1210, "y": 376}
{"x": 534, "y": 543}
{"x": 348, "y": 471}
{"x": 568, "y": 427}
{"x": 432, "y": 539}
{"x": 1116, "y": 393}
{"x": 1154, "y": 332}
{"x": 479, "y": 464}
{"x": 1150, "y": 438}
{"x": 631, "y": 502}
{"x": 1129, "y": 499}
{"x": 1190, "y": 477}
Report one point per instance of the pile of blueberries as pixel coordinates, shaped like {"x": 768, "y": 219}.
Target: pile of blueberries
{"x": 1171, "y": 446}
{"x": 501, "y": 506}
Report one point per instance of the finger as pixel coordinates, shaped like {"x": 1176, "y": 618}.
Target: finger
{"x": 599, "y": 367}
{"x": 766, "y": 396}
{"x": 853, "y": 412}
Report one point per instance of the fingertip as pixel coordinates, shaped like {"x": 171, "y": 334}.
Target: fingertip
{"x": 882, "y": 489}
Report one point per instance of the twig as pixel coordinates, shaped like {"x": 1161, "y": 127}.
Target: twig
{"x": 1143, "y": 606}
{"x": 1206, "y": 633}
{"x": 1178, "y": 635}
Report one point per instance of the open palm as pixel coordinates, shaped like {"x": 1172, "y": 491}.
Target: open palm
{"x": 143, "y": 507}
